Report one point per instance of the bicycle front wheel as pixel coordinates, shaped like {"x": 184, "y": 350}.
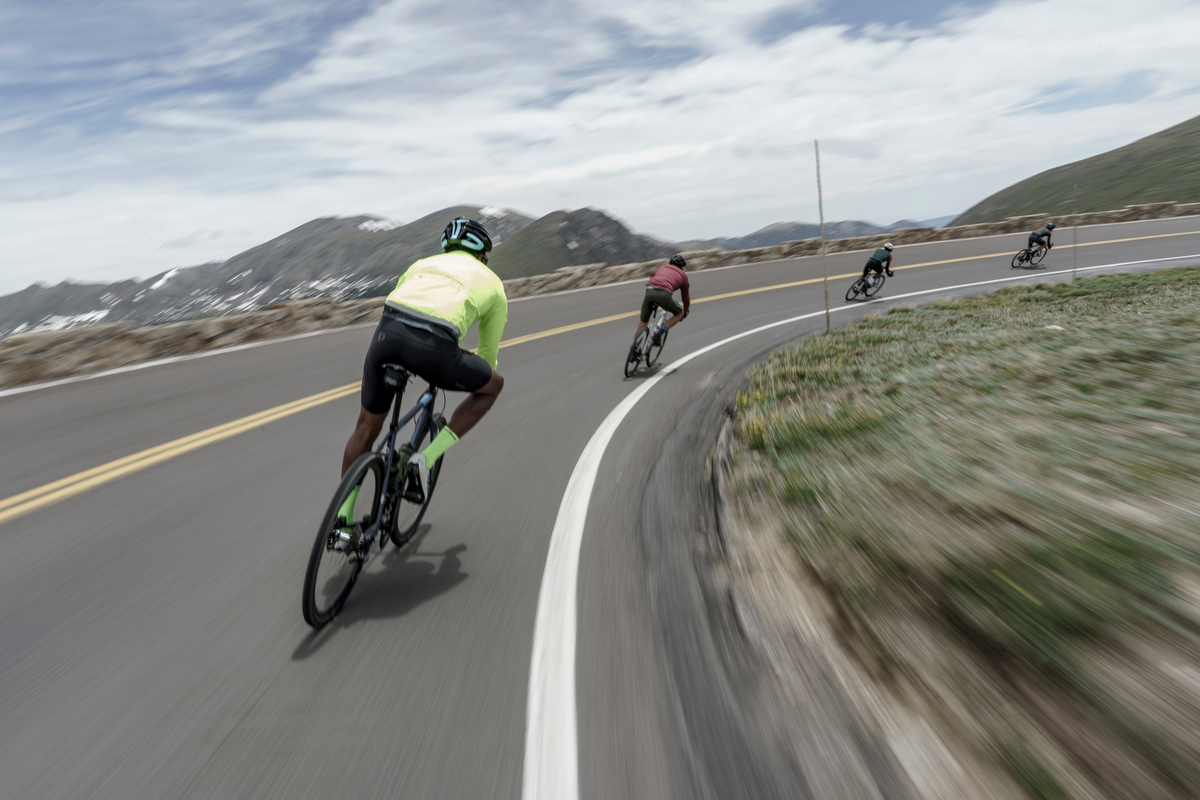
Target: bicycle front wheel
{"x": 873, "y": 289}
{"x": 408, "y": 515}
{"x": 635, "y": 354}
{"x": 334, "y": 564}
{"x": 1037, "y": 257}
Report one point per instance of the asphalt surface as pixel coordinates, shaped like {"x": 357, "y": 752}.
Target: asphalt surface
{"x": 152, "y": 639}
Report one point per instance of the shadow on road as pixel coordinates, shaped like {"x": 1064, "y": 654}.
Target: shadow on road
{"x": 407, "y": 578}
{"x": 646, "y": 372}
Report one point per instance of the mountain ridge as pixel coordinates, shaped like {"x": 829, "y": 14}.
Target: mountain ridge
{"x": 1161, "y": 167}
{"x": 359, "y": 256}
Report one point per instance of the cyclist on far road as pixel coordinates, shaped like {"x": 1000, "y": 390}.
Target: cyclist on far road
{"x": 1040, "y": 238}
{"x": 880, "y": 261}
{"x": 425, "y": 317}
{"x": 659, "y": 289}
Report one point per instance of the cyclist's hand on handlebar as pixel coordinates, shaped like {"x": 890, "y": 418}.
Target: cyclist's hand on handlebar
{"x": 685, "y": 313}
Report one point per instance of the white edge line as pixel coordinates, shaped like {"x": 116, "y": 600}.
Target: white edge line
{"x": 175, "y": 359}
{"x": 551, "y": 749}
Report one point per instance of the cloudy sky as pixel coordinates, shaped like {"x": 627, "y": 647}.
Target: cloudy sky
{"x": 139, "y": 135}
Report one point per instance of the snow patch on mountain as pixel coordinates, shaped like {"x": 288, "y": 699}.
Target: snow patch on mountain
{"x": 158, "y": 284}
{"x": 54, "y": 323}
{"x": 377, "y": 225}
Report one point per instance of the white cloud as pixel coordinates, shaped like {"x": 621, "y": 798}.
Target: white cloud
{"x": 671, "y": 116}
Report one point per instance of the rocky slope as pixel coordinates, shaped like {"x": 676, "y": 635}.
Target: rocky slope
{"x": 340, "y": 258}
{"x": 572, "y": 238}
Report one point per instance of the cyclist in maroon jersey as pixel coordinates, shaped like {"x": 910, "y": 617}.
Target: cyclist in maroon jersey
{"x": 660, "y": 289}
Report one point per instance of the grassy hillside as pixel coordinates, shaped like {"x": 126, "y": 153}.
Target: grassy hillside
{"x": 997, "y": 498}
{"x": 1159, "y": 168}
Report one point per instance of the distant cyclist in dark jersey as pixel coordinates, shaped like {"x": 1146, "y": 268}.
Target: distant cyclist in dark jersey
{"x": 1040, "y": 238}
{"x": 434, "y": 304}
{"x": 663, "y": 282}
{"x": 880, "y": 261}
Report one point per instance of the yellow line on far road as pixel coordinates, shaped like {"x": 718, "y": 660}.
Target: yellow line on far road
{"x": 78, "y": 483}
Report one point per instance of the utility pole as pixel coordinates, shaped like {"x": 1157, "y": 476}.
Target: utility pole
{"x": 1074, "y": 230}
{"x": 821, "y": 210}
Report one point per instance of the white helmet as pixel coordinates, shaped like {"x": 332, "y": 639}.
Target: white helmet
{"x": 887, "y": 246}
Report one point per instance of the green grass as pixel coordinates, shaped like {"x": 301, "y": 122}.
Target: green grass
{"x": 963, "y": 473}
{"x": 1159, "y": 168}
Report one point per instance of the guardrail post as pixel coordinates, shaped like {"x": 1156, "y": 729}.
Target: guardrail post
{"x": 1074, "y": 230}
{"x": 821, "y": 210}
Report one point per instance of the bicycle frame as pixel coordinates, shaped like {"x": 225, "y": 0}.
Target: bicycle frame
{"x": 387, "y": 448}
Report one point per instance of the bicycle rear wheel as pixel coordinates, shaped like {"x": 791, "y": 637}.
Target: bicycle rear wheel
{"x": 635, "y": 354}
{"x": 872, "y": 290}
{"x": 406, "y": 515}
{"x": 854, "y": 289}
{"x": 1020, "y": 258}
{"x": 334, "y": 564}
{"x": 1037, "y": 257}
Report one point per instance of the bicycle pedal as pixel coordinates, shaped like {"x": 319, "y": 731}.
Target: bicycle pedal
{"x": 413, "y": 491}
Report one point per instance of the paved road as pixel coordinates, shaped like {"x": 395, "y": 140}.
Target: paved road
{"x": 152, "y": 638}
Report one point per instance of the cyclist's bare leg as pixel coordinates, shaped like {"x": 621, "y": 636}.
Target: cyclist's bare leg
{"x": 641, "y": 327}
{"x": 471, "y": 410}
{"x": 673, "y": 321}
{"x": 366, "y": 431}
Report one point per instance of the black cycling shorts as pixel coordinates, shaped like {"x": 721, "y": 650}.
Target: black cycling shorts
{"x": 663, "y": 298}
{"x": 873, "y": 264}
{"x": 439, "y": 360}
{"x": 1035, "y": 239}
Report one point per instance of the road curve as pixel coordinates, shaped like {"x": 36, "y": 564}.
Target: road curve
{"x": 153, "y": 644}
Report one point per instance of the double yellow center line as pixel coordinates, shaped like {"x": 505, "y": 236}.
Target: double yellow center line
{"x": 80, "y": 482}
{"x": 34, "y": 499}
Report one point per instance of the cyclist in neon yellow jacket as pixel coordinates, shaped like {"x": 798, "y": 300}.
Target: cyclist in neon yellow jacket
{"x": 427, "y": 315}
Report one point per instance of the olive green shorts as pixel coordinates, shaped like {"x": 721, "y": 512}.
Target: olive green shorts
{"x": 661, "y": 297}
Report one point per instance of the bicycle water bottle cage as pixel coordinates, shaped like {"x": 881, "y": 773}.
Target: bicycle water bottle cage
{"x": 395, "y": 376}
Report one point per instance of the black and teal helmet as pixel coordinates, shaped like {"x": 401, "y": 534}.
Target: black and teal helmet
{"x": 467, "y": 234}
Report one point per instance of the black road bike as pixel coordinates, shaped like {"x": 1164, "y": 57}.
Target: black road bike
{"x": 1030, "y": 257}
{"x": 867, "y": 286}
{"x": 390, "y": 504}
{"x": 644, "y": 350}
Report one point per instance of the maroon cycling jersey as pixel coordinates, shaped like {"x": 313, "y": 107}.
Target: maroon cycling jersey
{"x": 670, "y": 278}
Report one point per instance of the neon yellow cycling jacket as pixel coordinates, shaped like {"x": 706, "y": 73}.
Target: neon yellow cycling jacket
{"x": 458, "y": 290}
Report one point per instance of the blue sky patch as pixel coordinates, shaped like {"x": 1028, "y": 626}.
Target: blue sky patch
{"x": 789, "y": 19}
{"x": 1128, "y": 88}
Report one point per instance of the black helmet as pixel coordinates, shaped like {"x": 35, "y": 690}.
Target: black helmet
{"x": 1050, "y": 225}
{"x": 678, "y": 261}
{"x": 467, "y": 234}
